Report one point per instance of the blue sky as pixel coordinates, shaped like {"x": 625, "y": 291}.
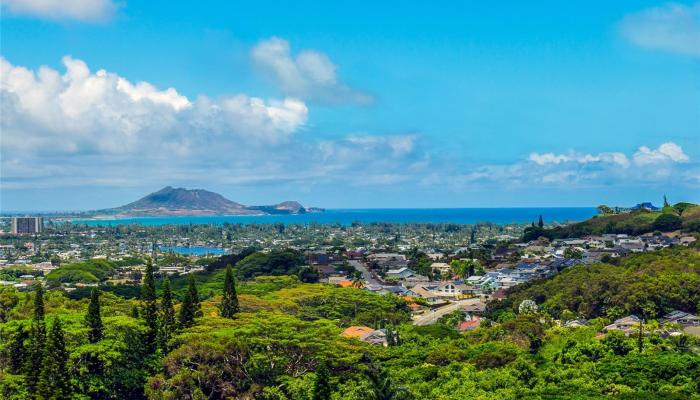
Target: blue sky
{"x": 350, "y": 105}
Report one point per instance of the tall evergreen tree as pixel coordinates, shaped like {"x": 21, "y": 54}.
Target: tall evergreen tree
{"x": 18, "y": 349}
{"x": 37, "y": 340}
{"x": 229, "y": 301}
{"x": 167, "y": 315}
{"x": 93, "y": 318}
{"x": 39, "y": 310}
{"x": 322, "y": 386}
{"x": 150, "y": 308}
{"x": 54, "y": 381}
{"x": 191, "y": 307}
{"x": 540, "y": 223}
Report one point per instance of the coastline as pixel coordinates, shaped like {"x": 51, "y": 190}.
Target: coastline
{"x": 499, "y": 216}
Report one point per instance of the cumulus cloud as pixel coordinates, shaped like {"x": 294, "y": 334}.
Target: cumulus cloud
{"x": 666, "y": 165}
{"x": 308, "y": 75}
{"x": 103, "y": 113}
{"x": 672, "y": 27}
{"x": 78, "y": 127}
{"x": 77, "y": 10}
{"x": 667, "y": 152}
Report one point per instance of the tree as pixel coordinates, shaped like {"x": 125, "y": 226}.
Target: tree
{"x": 37, "y": 340}
{"x": 54, "y": 382}
{"x": 666, "y": 204}
{"x": 167, "y": 315}
{"x": 573, "y": 253}
{"x": 382, "y": 387}
{"x": 540, "y": 223}
{"x": 93, "y": 319}
{"x": 8, "y": 300}
{"x": 191, "y": 307}
{"x": 322, "y": 387}
{"x": 229, "y": 301}
{"x": 667, "y": 223}
{"x": 39, "y": 310}
{"x": 17, "y": 350}
{"x": 617, "y": 343}
{"x": 605, "y": 210}
{"x": 150, "y": 308}
{"x": 527, "y": 307}
{"x": 465, "y": 268}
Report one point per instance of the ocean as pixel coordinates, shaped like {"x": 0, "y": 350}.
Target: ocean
{"x": 391, "y": 215}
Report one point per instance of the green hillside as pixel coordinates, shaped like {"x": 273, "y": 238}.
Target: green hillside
{"x": 684, "y": 216}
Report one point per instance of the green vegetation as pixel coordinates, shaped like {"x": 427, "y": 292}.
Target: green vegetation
{"x": 647, "y": 284}
{"x": 276, "y": 262}
{"x": 91, "y": 271}
{"x": 684, "y": 216}
{"x": 93, "y": 319}
{"x": 284, "y": 341}
{"x": 191, "y": 307}
{"x": 229, "y": 300}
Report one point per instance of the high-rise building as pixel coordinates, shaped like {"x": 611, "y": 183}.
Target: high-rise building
{"x": 27, "y": 225}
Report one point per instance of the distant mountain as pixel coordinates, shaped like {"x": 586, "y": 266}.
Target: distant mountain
{"x": 179, "y": 201}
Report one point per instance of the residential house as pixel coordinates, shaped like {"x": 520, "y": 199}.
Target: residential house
{"x": 626, "y": 324}
{"x": 469, "y": 325}
{"x": 400, "y": 273}
{"x": 424, "y": 293}
{"x": 681, "y": 317}
{"x": 397, "y": 290}
{"x": 686, "y": 240}
{"x": 451, "y": 289}
{"x": 366, "y": 334}
{"x": 443, "y": 268}
{"x": 475, "y": 308}
{"x": 576, "y": 323}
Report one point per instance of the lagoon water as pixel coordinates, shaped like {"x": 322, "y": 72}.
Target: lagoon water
{"x": 196, "y": 250}
{"x": 393, "y": 215}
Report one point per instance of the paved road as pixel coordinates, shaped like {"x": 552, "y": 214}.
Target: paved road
{"x": 431, "y": 317}
{"x": 366, "y": 275}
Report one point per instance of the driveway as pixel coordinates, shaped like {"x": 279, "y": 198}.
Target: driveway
{"x": 432, "y": 316}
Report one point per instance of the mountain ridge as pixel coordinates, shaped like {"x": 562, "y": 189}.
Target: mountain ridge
{"x": 171, "y": 201}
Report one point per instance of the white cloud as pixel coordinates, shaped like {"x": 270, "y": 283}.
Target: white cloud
{"x": 672, "y": 27}
{"x": 573, "y": 157}
{"x": 78, "y": 10}
{"x": 666, "y": 165}
{"x": 103, "y": 113}
{"x": 310, "y": 75}
{"x": 83, "y": 128}
{"x": 667, "y": 152}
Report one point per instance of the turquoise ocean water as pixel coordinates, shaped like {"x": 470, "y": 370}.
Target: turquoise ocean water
{"x": 394, "y": 215}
